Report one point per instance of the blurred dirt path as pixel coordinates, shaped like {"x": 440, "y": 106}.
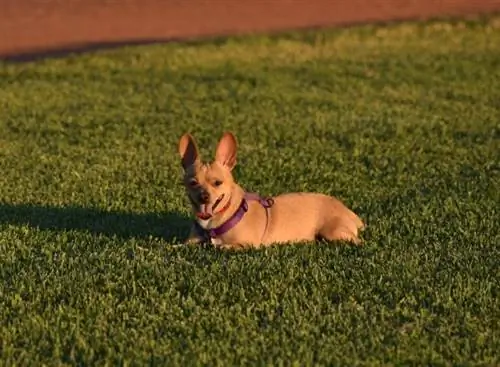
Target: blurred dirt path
{"x": 36, "y": 28}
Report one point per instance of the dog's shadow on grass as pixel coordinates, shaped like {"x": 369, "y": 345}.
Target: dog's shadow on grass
{"x": 169, "y": 226}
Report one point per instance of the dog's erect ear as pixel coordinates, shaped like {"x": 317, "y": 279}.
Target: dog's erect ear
{"x": 188, "y": 150}
{"x": 226, "y": 151}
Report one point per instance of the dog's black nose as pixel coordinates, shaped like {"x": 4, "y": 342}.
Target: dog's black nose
{"x": 204, "y": 197}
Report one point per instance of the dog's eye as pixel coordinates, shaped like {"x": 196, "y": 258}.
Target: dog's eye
{"x": 217, "y": 183}
{"x": 193, "y": 182}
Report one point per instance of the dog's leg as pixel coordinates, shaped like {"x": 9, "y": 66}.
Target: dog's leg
{"x": 340, "y": 232}
{"x": 195, "y": 236}
{"x": 193, "y": 240}
{"x": 233, "y": 247}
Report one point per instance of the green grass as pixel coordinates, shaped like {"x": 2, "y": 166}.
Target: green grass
{"x": 400, "y": 122}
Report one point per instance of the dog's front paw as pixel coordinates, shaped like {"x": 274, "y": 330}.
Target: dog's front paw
{"x": 232, "y": 247}
{"x": 195, "y": 240}
{"x": 197, "y": 236}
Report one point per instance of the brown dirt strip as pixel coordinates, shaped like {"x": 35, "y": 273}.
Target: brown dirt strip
{"x": 30, "y": 29}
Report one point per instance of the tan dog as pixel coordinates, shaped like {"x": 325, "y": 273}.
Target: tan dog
{"x": 231, "y": 218}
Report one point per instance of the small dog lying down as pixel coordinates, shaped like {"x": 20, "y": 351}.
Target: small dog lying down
{"x": 232, "y": 218}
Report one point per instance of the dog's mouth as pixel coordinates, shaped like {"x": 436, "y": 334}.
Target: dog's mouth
{"x": 217, "y": 202}
{"x": 204, "y": 215}
{"x": 207, "y": 211}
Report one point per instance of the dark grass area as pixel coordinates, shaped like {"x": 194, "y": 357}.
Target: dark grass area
{"x": 400, "y": 122}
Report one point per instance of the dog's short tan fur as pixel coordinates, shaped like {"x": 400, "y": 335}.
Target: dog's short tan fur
{"x": 293, "y": 217}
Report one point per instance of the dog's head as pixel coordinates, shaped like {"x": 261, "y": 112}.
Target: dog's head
{"x": 210, "y": 186}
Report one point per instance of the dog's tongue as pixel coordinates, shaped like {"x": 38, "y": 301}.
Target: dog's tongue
{"x": 203, "y": 213}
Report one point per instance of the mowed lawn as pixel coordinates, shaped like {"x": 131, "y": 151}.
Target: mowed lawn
{"x": 400, "y": 122}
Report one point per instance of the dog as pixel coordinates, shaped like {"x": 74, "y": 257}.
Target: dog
{"x": 230, "y": 218}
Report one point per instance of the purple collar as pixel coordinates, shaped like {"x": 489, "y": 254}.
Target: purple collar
{"x": 238, "y": 214}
